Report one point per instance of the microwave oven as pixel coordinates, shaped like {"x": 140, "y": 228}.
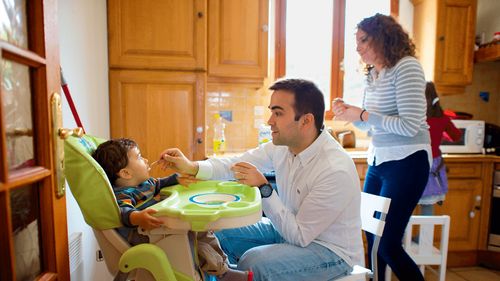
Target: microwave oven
{"x": 472, "y": 138}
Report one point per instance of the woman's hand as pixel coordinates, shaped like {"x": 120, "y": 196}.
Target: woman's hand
{"x": 346, "y": 112}
{"x": 173, "y": 158}
{"x": 248, "y": 174}
{"x": 144, "y": 219}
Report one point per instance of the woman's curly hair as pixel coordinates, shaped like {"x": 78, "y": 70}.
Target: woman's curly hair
{"x": 387, "y": 38}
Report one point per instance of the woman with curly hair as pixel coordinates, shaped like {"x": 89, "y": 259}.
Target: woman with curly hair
{"x": 394, "y": 113}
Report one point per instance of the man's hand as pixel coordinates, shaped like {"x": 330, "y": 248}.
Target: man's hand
{"x": 248, "y": 174}
{"x": 173, "y": 158}
{"x": 144, "y": 219}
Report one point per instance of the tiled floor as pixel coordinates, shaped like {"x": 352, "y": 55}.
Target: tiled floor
{"x": 465, "y": 274}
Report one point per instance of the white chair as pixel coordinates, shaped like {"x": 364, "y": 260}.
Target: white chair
{"x": 424, "y": 252}
{"x": 370, "y": 204}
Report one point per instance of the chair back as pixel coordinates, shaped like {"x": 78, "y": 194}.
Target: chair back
{"x": 425, "y": 251}
{"x": 89, "y": 184}
{"x": 373, "y": 211}
{"x": 370, "y": 206}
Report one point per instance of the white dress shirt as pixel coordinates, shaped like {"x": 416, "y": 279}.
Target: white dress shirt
{"x": 319, "y": 194}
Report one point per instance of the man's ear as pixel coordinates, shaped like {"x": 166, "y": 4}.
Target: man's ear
{"x": 308, "y": 119}
{"x": 124, "y": 174}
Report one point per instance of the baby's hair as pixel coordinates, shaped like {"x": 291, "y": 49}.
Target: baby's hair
{"x": 112, "y": 155}
{"x": 433, "y": 106}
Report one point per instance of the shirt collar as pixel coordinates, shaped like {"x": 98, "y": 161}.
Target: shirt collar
{"x": 312, "y": 150}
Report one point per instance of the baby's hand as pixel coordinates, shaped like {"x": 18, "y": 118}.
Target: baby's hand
{"x": 186, "y": 180}
{"x": 144, "y": 219}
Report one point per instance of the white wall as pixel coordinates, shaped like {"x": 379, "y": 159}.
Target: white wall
{"x": 406, "y": 16}
{"x": 83, "y": 47}
{"x": 488, "y": 19}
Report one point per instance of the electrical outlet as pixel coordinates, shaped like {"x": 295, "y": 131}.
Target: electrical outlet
{"x": 99, "y": 256}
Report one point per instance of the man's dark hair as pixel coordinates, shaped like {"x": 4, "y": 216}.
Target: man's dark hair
{"x": 308, "y": 99}
{"x": 112, "y": 155}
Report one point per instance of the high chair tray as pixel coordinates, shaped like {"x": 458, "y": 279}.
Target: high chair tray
{"x": 209, "y": 205}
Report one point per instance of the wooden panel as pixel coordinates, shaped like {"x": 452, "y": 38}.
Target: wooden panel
{"x": 152, "y": 34}
{"x": 361, "y": 169}
{"x": 464, "y": 170}
{"x": 159, "y": 110}
{"x": 238, "y": 36}
{"x": 461, "y": 200}
{"x": 455, "y": 42}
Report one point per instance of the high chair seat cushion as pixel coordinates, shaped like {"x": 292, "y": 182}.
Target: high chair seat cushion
{"x": 89, "y": 184}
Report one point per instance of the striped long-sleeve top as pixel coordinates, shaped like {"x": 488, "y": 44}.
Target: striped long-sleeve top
{"x": 135, "y": 198}
{"x": 397, "y": 106}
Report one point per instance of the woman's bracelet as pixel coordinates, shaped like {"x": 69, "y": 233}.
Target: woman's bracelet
{"x": 361, "y": 115}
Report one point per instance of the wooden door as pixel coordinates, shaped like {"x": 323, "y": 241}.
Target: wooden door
{"x": 455, "y": 42}
{"x": 152, "y": 34}
{"x": 33, "y": 236}
{"x": 159, "y": 109}
{"x": 238, "y": 36}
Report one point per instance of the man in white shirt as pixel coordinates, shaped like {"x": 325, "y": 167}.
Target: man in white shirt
{"x": 312, "y": 228}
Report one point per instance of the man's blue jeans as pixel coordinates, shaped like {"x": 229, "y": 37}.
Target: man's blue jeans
{"x": 261, "y": 248}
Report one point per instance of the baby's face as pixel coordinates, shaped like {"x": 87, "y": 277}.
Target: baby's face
{"x": 138, "y": 165}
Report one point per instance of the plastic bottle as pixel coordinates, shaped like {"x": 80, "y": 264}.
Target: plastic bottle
{"x": 219, "y": 139}
{"x": 264, "y": 134}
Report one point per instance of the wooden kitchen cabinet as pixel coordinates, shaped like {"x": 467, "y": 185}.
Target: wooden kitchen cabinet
{"x": 151, "y": 34}
{"x": 159, "y": 109}
{"x": 237, "y": 38}
{"x": 444, "y": 33}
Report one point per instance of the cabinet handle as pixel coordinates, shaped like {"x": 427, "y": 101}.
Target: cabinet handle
{"x": 199, "y": 141}
{"x": 441, "y": 38}
{"x": 265, "y": 28}
{"x": 200, "y": 15}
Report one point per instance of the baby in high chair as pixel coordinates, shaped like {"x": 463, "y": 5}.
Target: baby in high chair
{"x": 135, "y": 190}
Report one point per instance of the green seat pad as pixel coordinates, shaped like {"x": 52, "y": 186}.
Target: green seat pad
{"x": 89, "y": 184}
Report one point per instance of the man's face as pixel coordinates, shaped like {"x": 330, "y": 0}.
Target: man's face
{"x": 137, "y": 166}
{"x": 285, "y": 130}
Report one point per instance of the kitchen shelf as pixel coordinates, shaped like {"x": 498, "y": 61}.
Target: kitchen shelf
{"x": 488, "y": 53}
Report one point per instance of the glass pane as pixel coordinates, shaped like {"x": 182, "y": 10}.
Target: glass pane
{"x": 309, "y": 42}
{"x": 25, "y": 223}
{"x": 353, "y": 70}
{"x": 13, "y": 25}
{"x": 16, "y": 102}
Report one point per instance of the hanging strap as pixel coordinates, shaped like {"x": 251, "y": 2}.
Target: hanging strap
{"x": 67, "y": 94}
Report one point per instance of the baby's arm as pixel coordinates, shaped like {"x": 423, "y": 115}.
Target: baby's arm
{"x": 144, "y": 219}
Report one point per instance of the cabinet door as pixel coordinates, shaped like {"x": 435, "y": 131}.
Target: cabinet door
{"x": 456, "y": 21}
{"x": 463, "y": 196}
{"x": 151, "y": 34}
{"x": 238, "y": 35}
{"x": 159, "y": 110}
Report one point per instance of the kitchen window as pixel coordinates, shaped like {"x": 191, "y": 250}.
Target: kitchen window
{"x": 315, "y": 40}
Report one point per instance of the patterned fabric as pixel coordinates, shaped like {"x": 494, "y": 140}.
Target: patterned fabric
{"x": 133, "y": 198}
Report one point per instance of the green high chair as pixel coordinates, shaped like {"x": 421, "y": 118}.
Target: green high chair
{"x": 169, "y": 254}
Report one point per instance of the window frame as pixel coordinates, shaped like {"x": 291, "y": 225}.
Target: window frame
{"x": 337, "y": 69}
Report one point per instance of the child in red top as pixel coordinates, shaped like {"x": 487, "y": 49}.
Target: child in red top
{"x": 440, "y": 127}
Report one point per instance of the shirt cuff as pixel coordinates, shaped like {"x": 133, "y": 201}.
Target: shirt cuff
{"x": 205, "y": 170}
{"x": 271, "y": 205}
{"x": 375, "y": 119}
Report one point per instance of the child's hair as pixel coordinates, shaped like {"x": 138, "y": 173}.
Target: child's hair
{"x": 433, "y": 107}
{"x": 112, "y": 155}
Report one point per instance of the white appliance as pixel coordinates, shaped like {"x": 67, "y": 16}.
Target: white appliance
{"x": 472, "y": 139}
